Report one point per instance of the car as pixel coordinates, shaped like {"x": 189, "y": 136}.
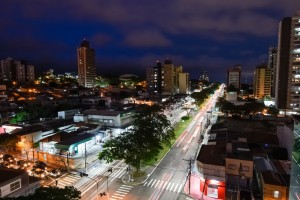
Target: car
{"x": 8, "y": 164}
{"x": 22, "y": 164}
{"x": 40, "y": 165}
{"x": 54, "y": 172}
{"x": 8, "y": 158}
{"x": 37, "y": 172}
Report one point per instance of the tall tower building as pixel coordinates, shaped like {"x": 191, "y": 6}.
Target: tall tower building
{"x": 86, "y": 65}
{"x": 287, "y": 93}
{"x": 262, "y": 81}
{"x": 272, "y": 64}
{"x": 234, "y": 76}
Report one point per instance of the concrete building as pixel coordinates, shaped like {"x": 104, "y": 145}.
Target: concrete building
{"x": 287, "y": 92}
{"x": 14, "y": 183}
{"x": 262, "y": 81}
{"x": 86, "y": 65}
{"x": 16, "y": 71}
{"x": 272, "y": 64}
{"x": 234, "y": 76}
{"x": 295, "y": 167}
{"x": 204, "y": 76}
{"x": 184, "y": 83}
{"x": 167, "y": 79}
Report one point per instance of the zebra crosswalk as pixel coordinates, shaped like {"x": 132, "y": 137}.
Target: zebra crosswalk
{"x": 121, "y": 192}
{"x": 115, "y": 174}
{"x": 67, "y": 180}
{"x": 164, "y": 185}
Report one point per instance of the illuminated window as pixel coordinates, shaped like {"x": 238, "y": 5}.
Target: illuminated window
{"x": 276, "y": 194}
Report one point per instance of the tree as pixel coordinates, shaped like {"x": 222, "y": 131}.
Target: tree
{"x": 8, "y": 141}
{"x": 19, "y": 117}
{"x": 151, "y": 130}
{"x": 51, "y": 193}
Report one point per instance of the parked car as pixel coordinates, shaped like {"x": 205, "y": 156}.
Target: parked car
{"x": 8, "y": 158}
{"x": 37, "y": 172}
{"x": 40, "y": 165}
{"x": 54, "y": 172}
{"x": 22, "y": 164}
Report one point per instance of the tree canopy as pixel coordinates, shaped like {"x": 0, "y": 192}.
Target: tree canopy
{"x": 8, "y": 141}
{"x": 150, "y": 131}
{"x": 51, "y": 193}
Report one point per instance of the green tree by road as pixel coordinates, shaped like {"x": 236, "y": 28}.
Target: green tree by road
{"x": 150, "y": 131}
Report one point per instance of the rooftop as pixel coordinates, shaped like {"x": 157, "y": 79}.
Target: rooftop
{"x": 212, "y": 154}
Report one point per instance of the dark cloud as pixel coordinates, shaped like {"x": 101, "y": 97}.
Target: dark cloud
{"x": 146, "y": 38}
{"x": 198, "y": 34}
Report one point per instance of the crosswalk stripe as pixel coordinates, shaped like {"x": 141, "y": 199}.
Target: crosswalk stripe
{"x": 175, "y": 187}
{"x": 172, "y": 186}
{"x": 179, "y": 189}
{"x": 121, "y": 195}
{"x": 126, "y": 187}
{"x": 164, "y": 185}
{"x": 153, "y": 182}
{"x": 150, "y": 182}
{"x": 162, "y": 182}
{"x": 117, "y": 197}
{"x": 129, "y": 186}
{"x": 156, "y": 183}
{"x": 168, "y": 186}
{"x": 123, "y": 190}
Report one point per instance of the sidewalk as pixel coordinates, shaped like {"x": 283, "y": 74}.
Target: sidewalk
{"x": 194, "y": 191}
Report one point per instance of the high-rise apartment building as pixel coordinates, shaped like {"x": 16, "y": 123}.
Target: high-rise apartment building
{"x": 204, "y": 76}
{"x": 16, "y": 71}
{"x": 234, "y": 76}
{"x": 287, "y": 93}
{"x": 184, "y": 83}
{"x": 86, "y": 65}
{"x": 262, "y": 81}
{"x": 166, "y": 79}
{"x": 272, "y": 64}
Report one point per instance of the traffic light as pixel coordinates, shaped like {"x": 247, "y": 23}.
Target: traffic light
{"x": 82, "y": 174}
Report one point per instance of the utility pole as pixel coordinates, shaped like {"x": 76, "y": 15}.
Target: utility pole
{"x": 191, "y": 161}
{"x": 68, "y": 162}
{"x": 85, "y": 157}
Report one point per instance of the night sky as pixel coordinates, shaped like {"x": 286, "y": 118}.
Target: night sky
{"x": 131, "y": 35}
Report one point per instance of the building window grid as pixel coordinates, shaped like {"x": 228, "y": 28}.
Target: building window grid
{"x": 15, "y": 185}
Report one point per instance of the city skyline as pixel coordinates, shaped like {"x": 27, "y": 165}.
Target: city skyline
{"x": 129, "y": 37}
